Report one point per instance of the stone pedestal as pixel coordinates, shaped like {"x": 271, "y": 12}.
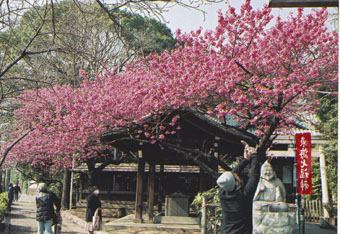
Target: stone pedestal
{"x": 273, "y": 217}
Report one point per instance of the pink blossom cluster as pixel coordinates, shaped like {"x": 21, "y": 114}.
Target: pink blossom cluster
{"x": 243, "y": 68}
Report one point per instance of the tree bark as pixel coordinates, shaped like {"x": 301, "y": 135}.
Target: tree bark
{"x": 92, "y": 172}
{"x": 3, "y": 181}
{"x": 8, "y": 178}
{"x": 65, "y": 201}
{"x": 267, "y": 139}
{"x": 1, "y": 184}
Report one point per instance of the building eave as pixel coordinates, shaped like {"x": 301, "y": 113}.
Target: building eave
{"x": 302, "y": 3}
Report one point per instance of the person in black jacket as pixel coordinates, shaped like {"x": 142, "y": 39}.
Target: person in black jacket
{"x": 236, "y": 194}
{"x": 45, "y": 202}
{"x": 93, "y": 203}
{"x": 17, "y": 190}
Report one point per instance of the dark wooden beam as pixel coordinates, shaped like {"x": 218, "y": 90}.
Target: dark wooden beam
{"x": 303, "y": 3}
{"x": 139, "y": 189}
{"x": 203, "y": 182}
{"x": 151, "y": 191}
{"x": 160, "y": 189}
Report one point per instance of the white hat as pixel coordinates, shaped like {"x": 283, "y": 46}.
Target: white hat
{"x": 42, "y": 187}
{"x": 226, "y": 181}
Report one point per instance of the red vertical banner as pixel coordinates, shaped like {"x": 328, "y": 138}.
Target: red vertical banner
{"x": 304, "y": 162}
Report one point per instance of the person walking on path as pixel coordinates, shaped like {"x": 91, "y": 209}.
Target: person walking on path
{"x": 93, "y": 203}
{"x": 45, "y": 201}
{"x": 17, "y": 190}
{"x": 236, "y": 194}
{"x": 10, "y": 195}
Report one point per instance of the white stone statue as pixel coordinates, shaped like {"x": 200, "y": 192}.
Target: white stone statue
{"x": 270, "y": 211}
{"x": 270, "y": 188}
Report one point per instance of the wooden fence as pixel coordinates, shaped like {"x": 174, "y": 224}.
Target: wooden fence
{"x": 211, "y": 217}
{"x": 313, "y": 210}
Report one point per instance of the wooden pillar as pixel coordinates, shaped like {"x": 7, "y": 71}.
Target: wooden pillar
{"x": 215, "y": 167}
{"x": 204, "y": 215}
{"x": 81, "y": 186}
{"x": 151, "y": 191}
{"x": 202, "y": 180}
{"x": 324, "y": 184}
{"x": 160, "y": 189}
{"x": 139, "y": 188}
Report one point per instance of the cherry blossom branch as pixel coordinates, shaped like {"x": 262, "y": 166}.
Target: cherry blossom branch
{"x": 4, "y": 155}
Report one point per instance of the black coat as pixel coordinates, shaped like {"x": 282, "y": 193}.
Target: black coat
{"x": 45, "y": 205}
{"x": 237, "y": 205}
{"x": 17, "y": 189}
{"x": 93, "y": 203}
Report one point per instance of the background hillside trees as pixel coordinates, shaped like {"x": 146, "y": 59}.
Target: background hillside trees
{"x": 21, "y": 23}
{"x": 82, "y": 38}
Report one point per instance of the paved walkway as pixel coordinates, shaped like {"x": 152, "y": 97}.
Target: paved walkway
{"x": 22, "y": 221}
{"x": 314, "y": 228}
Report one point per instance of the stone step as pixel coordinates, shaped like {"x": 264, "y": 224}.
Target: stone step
{"x": 110, "y": 201}
{"x": 177, "y": 220}
{"x": 129, "y": 222}
{"x": 115, "y": 205}
{"x": 114, "y": 208}
{"x": 104, "y": 211}
{"x": 111, "y": 204}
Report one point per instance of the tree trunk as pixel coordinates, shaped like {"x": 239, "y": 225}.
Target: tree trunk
{"x": 3, "y": 182}
{"x": 267, "y": 139}
{"x": 65, "y": 201}
{"x": 8, "y": 178}
{"x": 92, "y": 172}
{"x": 1, "y": 174}
{"x": 92, "y": 178}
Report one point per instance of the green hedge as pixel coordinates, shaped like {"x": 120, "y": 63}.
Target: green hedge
{"x": 3, "y": 205}
{"x": 214, "y": 214}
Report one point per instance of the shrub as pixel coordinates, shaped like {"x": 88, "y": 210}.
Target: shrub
{"x": 214, "y": 212}
{"x": 3, "y": 205}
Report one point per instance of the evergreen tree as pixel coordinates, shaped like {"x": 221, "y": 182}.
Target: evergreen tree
{"x": 328, "y": 115}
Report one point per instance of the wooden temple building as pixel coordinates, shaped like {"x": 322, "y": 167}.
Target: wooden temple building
{"x": 160, "y": 171}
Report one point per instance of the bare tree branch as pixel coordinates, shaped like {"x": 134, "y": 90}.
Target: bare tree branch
{"x": 23, "y": 54}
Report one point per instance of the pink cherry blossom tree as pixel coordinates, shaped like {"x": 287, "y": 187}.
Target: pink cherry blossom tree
{"x": 263, "y": 76}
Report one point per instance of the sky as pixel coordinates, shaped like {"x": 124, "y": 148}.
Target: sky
{"x": 189, "y": 19}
